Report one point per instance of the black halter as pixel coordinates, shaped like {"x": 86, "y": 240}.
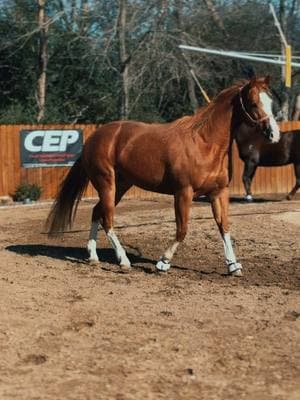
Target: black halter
{"x": 251, "y": 119}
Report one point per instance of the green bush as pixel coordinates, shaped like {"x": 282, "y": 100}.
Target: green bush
{"x": 27, "y": 191}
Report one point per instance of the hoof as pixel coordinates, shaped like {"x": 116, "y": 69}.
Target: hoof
{"x": 237, "y": 273}
{"x": 163, "y": 265}
{"x": 125, "y": 268}
{"x": 93, "y": 261}
{"x": 288, "y": 197}
{"x": 235, "y": 269}
{"x": 249, "y": 198}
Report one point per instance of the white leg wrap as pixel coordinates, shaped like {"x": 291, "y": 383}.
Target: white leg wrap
{"x": 164, "y": 263}
{"x": 119, "y": 250}
{"x": 233, "y": 266}
{"x": 92, "y": 243}
{"x": 249, "y": 197}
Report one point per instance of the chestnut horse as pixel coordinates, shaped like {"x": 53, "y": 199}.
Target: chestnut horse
{"x": 185, "y": 158}
{"x": 256, "y": 151}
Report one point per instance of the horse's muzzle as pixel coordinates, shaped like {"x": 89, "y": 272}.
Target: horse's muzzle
{"x": 269, "y": 133}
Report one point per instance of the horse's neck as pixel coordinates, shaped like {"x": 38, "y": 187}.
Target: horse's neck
{"x": 217, "y": 126}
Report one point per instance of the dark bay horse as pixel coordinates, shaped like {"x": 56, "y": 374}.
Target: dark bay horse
{"x": 256, "y": 151}
{"x": 185, "y": 158}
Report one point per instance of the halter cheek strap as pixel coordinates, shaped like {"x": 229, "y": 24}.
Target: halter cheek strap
{"x": 254, "y": 121}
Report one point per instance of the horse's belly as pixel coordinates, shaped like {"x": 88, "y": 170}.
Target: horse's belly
{"x": 274, "y": 162}
{"x": 212, "y": 183}
{"x": 147, "y": 178}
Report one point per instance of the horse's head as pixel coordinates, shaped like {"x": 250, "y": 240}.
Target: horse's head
{"x": 256, "y": 103}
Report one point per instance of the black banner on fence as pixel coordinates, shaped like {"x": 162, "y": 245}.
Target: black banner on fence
{"x": 50, "y": 147}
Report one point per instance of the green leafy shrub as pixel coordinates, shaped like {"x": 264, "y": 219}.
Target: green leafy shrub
{"x": 27, "y": 191}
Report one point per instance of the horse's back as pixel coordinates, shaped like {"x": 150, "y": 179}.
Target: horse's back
{"x": 136, "y": 150}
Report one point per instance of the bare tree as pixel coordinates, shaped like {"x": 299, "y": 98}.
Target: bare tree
{"x": 296, "y": 112}
{"x": 185, "y": 57}
{"x": 43, "y": 59}
{"x": 215, "y": 15}
{"x": 124, "y": 59}
{"x": 285, "y": 91}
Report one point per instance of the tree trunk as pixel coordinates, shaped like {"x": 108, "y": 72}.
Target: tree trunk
{"x": 124, "y": 60}
{"x": 215, "y": 16}
{"x": 190, "y": 81}
{"x": 285, "y": 92}
{"x": 43, "y": 60}
{"x": 296, "y": 113}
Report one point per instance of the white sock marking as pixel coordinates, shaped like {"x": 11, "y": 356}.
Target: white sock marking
{"x": 169, "y": 253}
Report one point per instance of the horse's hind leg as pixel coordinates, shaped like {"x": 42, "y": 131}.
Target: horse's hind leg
{"x": 248, "y": 174}
{"x": 297, "y": 184}
{"x": 103, "y": 214}
{"x": 121, "y": 187}
{"x": 182, "y": 204}
{"x": 92, "y": 243}
{"x": 220, "y": 203}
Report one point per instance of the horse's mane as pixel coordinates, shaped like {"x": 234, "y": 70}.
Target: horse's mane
{"x": 204, "y": 115}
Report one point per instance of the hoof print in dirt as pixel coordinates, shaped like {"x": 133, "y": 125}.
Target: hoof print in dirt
{"x": 36, "y": 359}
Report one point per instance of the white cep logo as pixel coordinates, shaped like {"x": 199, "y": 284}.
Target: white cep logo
{"x": 50, "y": 141}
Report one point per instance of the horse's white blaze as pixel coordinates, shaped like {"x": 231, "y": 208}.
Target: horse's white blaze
{"x": 267, "y": 107}
{"x": 92, "y": 243}
{"x": 119, "y": 250}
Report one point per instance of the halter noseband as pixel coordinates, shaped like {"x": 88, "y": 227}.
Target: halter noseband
{"x": 254, "y": 121}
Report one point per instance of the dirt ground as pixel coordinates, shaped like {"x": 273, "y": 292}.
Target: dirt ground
{"x": 69, "y": 330}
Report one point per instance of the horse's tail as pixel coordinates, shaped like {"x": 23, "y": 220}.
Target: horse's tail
{"x": 67, "y": 199}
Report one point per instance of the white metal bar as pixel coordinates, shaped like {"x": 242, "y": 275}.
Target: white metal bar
{"x": 233, "y": 54}
{"x": 265, "y": 55}
{"x": 260, "y": 54}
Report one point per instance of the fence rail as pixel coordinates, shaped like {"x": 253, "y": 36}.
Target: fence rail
{"x": 267, "y": 180}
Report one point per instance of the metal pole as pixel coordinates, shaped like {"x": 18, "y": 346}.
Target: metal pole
{"x": 233, "y": 54}
{"x": 204, "y": 94}
{"x": 288, "y": 50}
{"x": 277, "y": 24}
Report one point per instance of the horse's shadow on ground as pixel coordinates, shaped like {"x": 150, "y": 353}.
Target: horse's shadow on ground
{"x": 77, "y": 255}
{"x": 241, "y": 200}
{"x": 73, "y": 254}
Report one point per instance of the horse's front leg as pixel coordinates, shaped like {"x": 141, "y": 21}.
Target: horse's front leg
{"x": 182, "y": 204}
{"x": 297, "y": 184}
{"x": 248, "y": 174}
{"x": 220, "y": 205}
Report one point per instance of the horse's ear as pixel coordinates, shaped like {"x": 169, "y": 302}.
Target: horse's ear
{"x": 267, "y": 80}
{"x": 252, "y": 81}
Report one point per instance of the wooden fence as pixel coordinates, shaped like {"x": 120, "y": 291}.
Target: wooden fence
{"x": 267, "y": 180}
